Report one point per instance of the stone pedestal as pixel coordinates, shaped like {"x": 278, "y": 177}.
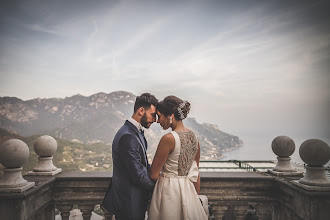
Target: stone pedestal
{"x": 315, "y": 176}
{"x": 13, "y": 178}
{"x": 13, "y": 181}
{"x": 45, "y": 147}
{"x": 291, "y": 175}
{"x": 45, "y": 167}
{"x": 284, "y": 165}
{"x": 13, "y": 154}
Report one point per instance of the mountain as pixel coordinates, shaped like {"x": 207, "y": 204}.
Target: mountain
{"x": 70, "y": 156}
{"x": 95, "y": 119}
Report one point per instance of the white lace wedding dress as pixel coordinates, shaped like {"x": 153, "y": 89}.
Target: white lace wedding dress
{"x": 174, "y": 196}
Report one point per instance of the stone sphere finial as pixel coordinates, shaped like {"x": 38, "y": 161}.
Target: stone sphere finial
{"x": 45, "y": 146}
{"x": 13, "y": 153}
{"x": 283, "y": 146}
{"x": 314, "y": 152}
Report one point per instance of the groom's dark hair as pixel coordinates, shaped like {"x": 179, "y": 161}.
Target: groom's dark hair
{"x": 145, "y": 100}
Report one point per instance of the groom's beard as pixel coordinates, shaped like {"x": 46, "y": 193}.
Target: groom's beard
{"x": 144, "y": 122}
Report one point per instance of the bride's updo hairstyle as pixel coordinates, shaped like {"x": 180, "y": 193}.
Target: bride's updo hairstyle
{"x": 172, "y": 104}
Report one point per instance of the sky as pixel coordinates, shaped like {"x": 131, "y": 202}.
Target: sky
{"x": 254, "y": 68}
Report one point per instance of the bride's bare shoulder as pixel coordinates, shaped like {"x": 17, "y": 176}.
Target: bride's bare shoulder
{"x": 167, "y": 137}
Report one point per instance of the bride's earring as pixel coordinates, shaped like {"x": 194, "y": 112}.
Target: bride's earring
{"x": 170, "y": 120}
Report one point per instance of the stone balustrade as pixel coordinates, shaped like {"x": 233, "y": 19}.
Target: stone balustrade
{"x": 85, "y": 189}
{"x": 272, "y": 195}
{"x": 61, "y": 192}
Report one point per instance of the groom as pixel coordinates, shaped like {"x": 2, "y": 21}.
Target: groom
{"x": 131, "y": 184}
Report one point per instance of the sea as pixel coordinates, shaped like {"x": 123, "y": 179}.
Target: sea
{"x": 261, "y": 149}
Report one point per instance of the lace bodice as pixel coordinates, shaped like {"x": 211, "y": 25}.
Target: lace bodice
{"x": 188, "y": 151}
{"x": 181, "y": 159}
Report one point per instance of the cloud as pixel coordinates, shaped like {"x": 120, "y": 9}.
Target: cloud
{"x": 236, "y": 59}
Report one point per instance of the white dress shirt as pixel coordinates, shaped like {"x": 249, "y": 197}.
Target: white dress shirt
{"x": 135, "y": 123}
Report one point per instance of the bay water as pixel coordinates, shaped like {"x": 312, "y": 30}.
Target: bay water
{"x": 261, "y": 149}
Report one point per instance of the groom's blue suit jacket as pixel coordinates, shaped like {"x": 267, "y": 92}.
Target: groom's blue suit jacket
{"x": 131, "y": 184}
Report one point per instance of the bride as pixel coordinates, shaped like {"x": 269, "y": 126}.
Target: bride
{"x": 175, "y": 166}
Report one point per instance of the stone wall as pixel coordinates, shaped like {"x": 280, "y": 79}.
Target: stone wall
{"x": 272, "y": 197}
{"x": 296, "y": 203}
{"x": 237, "y": 191}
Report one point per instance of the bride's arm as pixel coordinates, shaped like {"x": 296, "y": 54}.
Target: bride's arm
{"x": 198, "y": 183}
{"x": 165, "y": 147}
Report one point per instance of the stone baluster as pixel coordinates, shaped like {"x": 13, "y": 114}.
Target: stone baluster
{"x": 315, "y": 153}
{"x": 13, "y": 154}
{"x": 64, "y": 211}
{"x": 284, "y": 147}
{"x": 75, "y": 214}
{"x": 45, "y": 147}
{"x": 86, "y": 211}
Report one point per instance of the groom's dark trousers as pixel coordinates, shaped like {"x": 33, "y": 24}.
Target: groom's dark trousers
{"x": 131, "y": 185}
